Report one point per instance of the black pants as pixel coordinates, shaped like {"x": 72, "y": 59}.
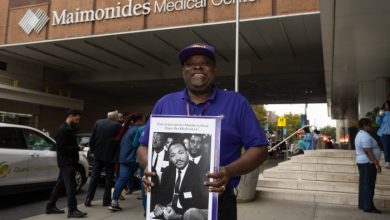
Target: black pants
{"x": 227, "y": 205}
{"x": 367, "y": 179}
{"x": 98, "y": 166}
{"x": 66, "y": 179}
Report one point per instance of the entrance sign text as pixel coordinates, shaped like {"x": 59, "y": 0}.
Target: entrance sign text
{"x": 132, "y": 9}
{"x": 37, "y": 21}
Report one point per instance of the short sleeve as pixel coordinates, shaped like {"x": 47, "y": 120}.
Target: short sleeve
{"x": 157, "y": 109}
{"x": 251, "y": 133}
{"x": 366, "y": 142}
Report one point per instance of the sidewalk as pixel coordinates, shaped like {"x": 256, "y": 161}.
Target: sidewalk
{"x": 260, "y": 209}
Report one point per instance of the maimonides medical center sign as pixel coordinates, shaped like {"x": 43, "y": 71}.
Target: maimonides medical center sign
{"x": 131, "y": 9}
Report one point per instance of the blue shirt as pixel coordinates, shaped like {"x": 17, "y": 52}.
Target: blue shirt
{"x": 365, "y": 140}
{"x": 239, "y": 126}
{"x": 127, "y": 152}
{"x": 308, "y": 138}
{"x": 136, "y": 142}
{"x": 384, "y": 123}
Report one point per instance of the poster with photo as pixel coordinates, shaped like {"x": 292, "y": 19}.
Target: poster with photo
{"x": 181, "y": 150}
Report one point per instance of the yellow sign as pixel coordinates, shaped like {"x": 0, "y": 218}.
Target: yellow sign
{"x": 281, "y": 121}
{"x": 4, "y": 169}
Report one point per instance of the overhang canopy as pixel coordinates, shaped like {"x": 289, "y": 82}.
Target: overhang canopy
{"x": 280, "y": 59}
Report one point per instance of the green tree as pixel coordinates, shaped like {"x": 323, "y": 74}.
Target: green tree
{"x": 272, "y": 126}
{"x": 293, "y": 123}
{"x": 329, "y": 131}
{"x": 261, "y": 114}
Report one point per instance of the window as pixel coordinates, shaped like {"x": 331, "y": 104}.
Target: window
{"x": 3, "y": 66}
{"x": 10, "y": 138}
{"x": 37, "y": 141}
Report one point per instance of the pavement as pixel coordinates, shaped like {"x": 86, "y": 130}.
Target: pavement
{"x": 260, "y": 208}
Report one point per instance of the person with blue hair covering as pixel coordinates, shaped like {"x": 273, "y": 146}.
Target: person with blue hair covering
{"x": 308, "y": 139}
{"x": 383, "y": 120}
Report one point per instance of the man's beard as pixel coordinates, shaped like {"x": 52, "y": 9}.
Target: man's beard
{"x": 75, "y": 127}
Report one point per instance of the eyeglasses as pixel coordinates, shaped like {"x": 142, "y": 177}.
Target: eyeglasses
{"x": 205, "y": 64}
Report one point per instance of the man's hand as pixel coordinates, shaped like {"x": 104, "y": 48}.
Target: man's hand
{"x": 148, "y": 184}
{"x": 81, "y": 147}
{"x": 158, "y": 210}
{"x": 169, "y": 213}
{"x": 220, "y": 180}
{"x": 378, "y": 168}
{"x": 250, "y": 160}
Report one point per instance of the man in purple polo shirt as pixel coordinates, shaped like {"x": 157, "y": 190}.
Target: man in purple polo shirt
{"x": 239, "y": 127}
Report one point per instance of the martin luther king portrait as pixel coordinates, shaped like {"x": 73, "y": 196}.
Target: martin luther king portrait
{"x": 181, "y": 194}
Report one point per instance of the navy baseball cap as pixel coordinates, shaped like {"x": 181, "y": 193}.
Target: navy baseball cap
{"x": 197, "y": 49}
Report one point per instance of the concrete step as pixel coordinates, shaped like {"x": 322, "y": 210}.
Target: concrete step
{"x": 330, "y": 153}
{"x": 338, "y": 168}
{"x": 289, "y": 174}
{"x": 320, "y": 176}
{"x": 333, "y": 153}
{"x": 325, "y": 186}
{"x": 352, "y": 178}
{"x": 324, "y": 160}
{"x": 289, "y": 165}
{"x": 327, "y": 160}
{"x": 325, "y": 176}
{"x": 319, "y": 197}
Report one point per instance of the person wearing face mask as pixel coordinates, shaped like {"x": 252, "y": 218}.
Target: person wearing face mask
{"x": 67, "y": 159}
{"x": 383, "y": 120}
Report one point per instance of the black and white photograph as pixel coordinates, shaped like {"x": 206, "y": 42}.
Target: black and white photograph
{"x": 181, "y": 161}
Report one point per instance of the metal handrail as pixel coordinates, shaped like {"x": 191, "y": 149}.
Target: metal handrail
{"x": 284, "y": 140}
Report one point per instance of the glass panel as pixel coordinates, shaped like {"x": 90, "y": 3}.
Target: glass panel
{"x": 10, "y": 138}
{"x": 37, "y": 141}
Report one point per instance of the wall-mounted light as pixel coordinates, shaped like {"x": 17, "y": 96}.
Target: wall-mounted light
{"x": 308, "y": 91}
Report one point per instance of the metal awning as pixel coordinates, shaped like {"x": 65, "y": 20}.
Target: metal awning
{"x": 281, "y": 59}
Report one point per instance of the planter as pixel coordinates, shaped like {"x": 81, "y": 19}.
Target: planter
{"x": 248, "y": 183}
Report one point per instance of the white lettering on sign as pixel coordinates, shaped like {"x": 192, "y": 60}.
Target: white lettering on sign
{"x": 36, "y": 21}
{"x": 170, "y": 6}
{"x": 79, "y": 16}
{"x": 228, "y": 2}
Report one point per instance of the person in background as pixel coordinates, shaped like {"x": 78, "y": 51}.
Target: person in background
{"x": 198, "y": 153}
{"x": 308, "y": 138}
{"x": 67, "y": 159}
{"x": 367, "y": 158}
{"x": 121, "y": 118}
{"x": 383, "y": 120}
{"x": 316, "y": 139}
{"x": 104, "y": 148}
{"x": 140, "y": 172}
{"x": 160, "y": 156}
{"x": 127, "y": 157}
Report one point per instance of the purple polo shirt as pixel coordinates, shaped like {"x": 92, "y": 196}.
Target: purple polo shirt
{"x": 239, "y": 127}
